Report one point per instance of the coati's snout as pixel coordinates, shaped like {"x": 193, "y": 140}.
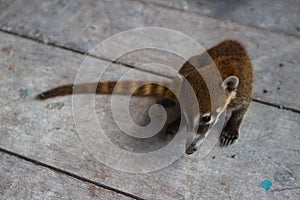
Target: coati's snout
{"x": 201, "y": 132}
{"x": 211, "y": 116}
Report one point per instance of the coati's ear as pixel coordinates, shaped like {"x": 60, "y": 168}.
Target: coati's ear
{"x": 230, "y": 83}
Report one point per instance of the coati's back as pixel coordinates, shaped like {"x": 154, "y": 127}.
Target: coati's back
{"x": 232, "y": 59}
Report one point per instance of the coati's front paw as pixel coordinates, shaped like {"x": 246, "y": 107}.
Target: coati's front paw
{"x": 190, "y": 150}
{"x": 227, "y": 137}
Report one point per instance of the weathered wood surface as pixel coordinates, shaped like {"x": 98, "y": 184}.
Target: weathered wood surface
{"x": 20, "y": 179}
{"x": 80, "y": 26}
{"x": 268, "y": 147}
{"x": 281, "y": 16}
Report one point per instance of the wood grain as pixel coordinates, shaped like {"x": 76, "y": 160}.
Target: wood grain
{"x": 281, "y": 18}
{"x": 20, "y": 179}
{"x": 44, "y": 130}
{"x": 80, "y": 26}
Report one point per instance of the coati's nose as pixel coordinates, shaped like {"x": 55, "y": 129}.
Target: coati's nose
{"x": 190, "y": 150}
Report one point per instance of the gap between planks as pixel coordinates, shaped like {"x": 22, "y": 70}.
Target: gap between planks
{"x": 39, "y": 163}
{"x": 131, "y": 66}
{"x": 218, "y": 19}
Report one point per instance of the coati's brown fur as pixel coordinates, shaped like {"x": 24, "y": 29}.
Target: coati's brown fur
{"x": 108, "y": 87}
{"x": 234, "y": 65}
{"x": 232, "y": 61}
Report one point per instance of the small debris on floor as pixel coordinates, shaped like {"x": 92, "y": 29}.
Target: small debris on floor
{"x": 57, "y": 105}
{"x": 266, "y": 184}
{"x": 24, "y": 92}
{"x": 7, "y": 50}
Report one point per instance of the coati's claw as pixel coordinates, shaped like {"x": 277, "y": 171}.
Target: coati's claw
{"x": 228, "y": 137}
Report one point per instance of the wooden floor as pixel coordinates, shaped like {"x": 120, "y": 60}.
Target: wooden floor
{"x": 42, "y": 45}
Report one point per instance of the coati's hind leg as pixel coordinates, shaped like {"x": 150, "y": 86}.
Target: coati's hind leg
{"x": 167, "y": 103}
{"x": 173, "y": 115}
{"x": 173, "y": 127}
{"x": 231, "y": 131}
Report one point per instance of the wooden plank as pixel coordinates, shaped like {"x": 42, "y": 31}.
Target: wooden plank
{"x": 19, "y": 55}
{"x": 267, "y": 150}
{"x": 20, "y": 179}
{"x": 80, "y": 26}
{"x": 281, "y": 16}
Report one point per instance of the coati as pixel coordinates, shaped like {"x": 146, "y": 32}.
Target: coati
{"x": 234, "y": 65}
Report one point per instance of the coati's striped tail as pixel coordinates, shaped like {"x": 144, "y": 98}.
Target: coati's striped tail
{"x": 109, "y": 87}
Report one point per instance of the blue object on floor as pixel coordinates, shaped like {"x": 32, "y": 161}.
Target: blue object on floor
{"x": 266, "y": 184}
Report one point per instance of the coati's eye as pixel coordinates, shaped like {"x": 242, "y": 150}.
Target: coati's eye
{"x": 206, "y": 119}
